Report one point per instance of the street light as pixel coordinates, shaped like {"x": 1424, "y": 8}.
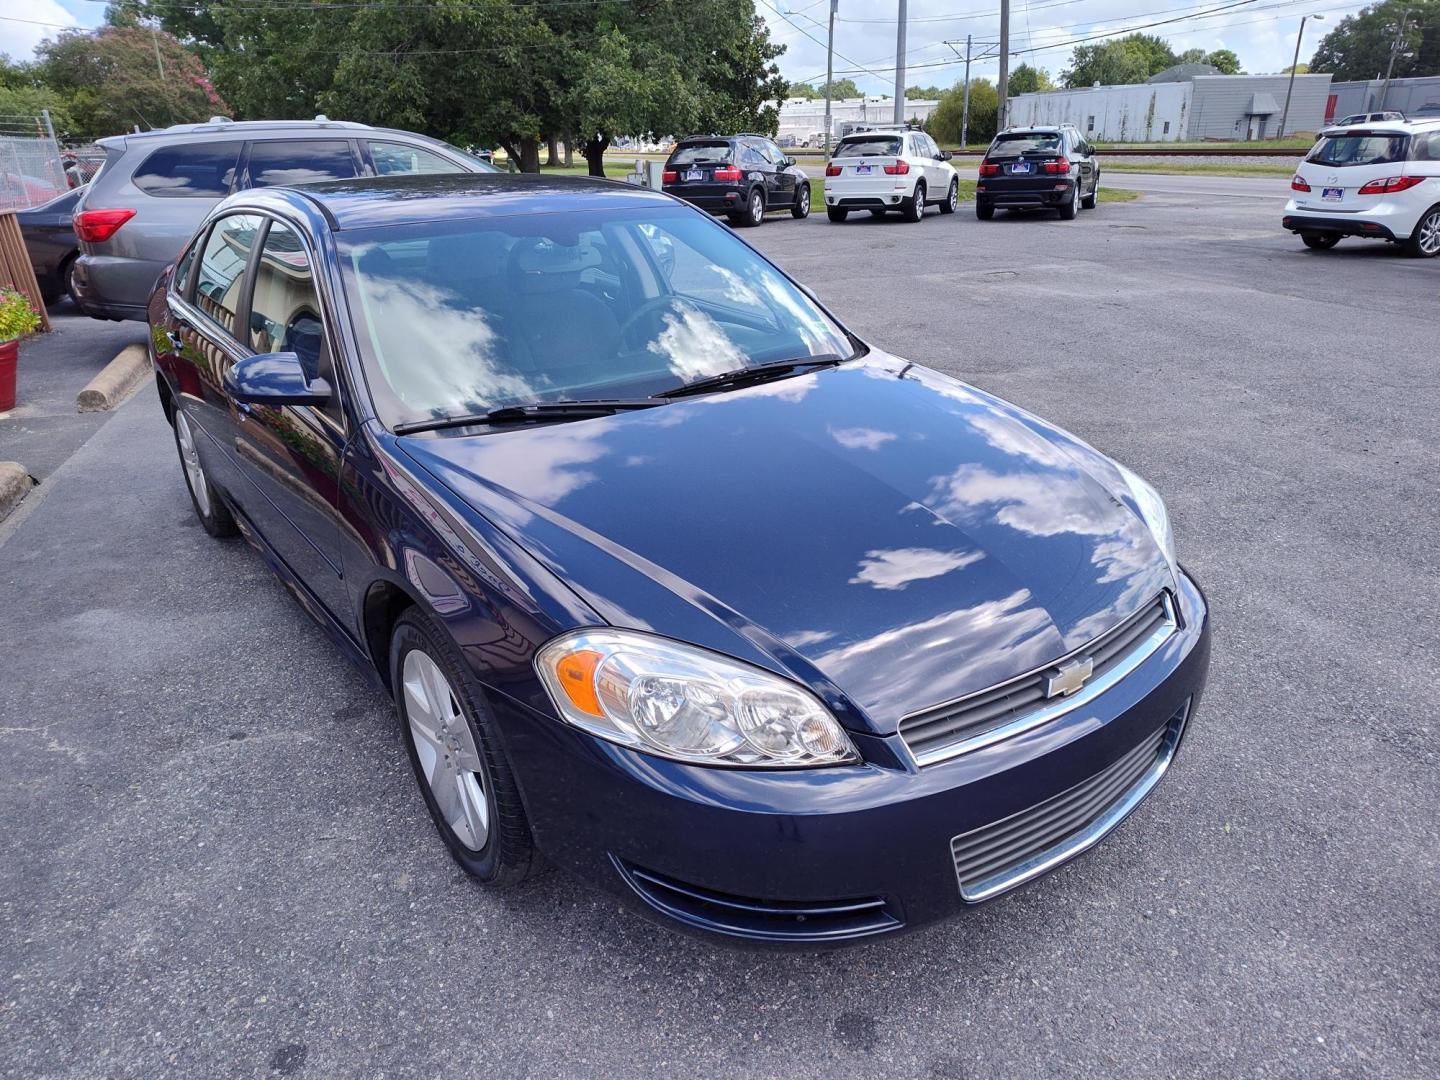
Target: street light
{"x": 1290, "y": 87}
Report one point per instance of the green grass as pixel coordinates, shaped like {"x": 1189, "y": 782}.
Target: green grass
{"x": 1197, "y": 168}
{"x": 1110, "y": 194}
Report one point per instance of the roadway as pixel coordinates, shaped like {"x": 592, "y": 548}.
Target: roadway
{"x": 1251, "y": 187}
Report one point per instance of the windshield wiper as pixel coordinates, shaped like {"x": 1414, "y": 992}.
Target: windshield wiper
{"x": 757, "y": 373}
{"x": 534, "y": 413}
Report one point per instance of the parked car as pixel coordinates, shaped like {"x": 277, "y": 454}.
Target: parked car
{"x": 1371, "y": 118}
{"x": 884, "y": 170}
{"x": 1027, "y": 168}
{"x": 740, "y": 176}
{"x": 673, "y": 578}
{"x": 155, "y": 187}
{"x": 50, "y": 241}
{"x": 1376, "y": 181}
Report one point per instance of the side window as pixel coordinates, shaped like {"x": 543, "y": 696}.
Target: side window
{"x": 285, "y": 308}
{"x": 751, "y": 157}
{"x": 222, "y": 267}
{"x": 1427, "y": 147}
{"x": 182, "y": 268}
{"x": 392, "y": 159}
{"x": 299, "y": 161}
{"x": 199, "y": 170}
{"x": 930, "y": 146}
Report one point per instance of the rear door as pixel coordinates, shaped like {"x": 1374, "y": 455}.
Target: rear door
{"x": 1342, "y": 163}
{"x": 782, "y": 182}
{"x": 277, "y": 162}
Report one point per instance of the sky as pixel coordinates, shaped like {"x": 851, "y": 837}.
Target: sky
{"x": 1261, "y": 32}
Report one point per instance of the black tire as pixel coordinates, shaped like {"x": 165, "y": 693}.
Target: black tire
{"x": 508, "y": 854}
{"x": 952, "y": 198}
{"x": 913, "y": 209}
{"x": 754, "y": 209}
{"x": 984, "y": 211}
{"x": 1317, "y": 241}
{"x": 836, "y": 214}
{"x": 205, "y": 497}
{"x": 67, "y": 277}
{"x": 801, "y": 210}
{"x": 1424, "y": 241}
{"x": 1089, "y": 202}
{"x": 1072, "y": 206}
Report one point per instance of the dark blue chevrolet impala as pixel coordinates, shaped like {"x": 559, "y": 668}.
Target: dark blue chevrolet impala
{"x": 675, "y": 581}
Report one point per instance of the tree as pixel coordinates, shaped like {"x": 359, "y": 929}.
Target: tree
{"x": 1359, "y": 46}
{"x": 1225, "y": 60}
{"x": 1299, "y": 69}
{"x": 841, "y": 88}
{"x": 23, "y": 93}
{"x": 1029, "y": 80}
{"x": 1130, "y": 59}
{"x": 110, "y": 80}
{"x": 801, "y": 90}
{"x": 944, "y": 122}
{"x": 923, "y": 93}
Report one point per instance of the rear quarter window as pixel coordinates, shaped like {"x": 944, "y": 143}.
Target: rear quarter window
{"x": 199, "y": 170}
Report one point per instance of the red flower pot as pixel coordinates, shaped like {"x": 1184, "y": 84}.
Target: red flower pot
{"x": 9, "y": 351}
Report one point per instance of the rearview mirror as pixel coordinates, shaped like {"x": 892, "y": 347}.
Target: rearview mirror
{"x": 274, "y": 379}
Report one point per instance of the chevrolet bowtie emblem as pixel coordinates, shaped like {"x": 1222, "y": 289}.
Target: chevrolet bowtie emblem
{"x": 1069, "y": 677}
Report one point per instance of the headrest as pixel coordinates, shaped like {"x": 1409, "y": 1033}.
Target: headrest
{"x": 538, "y": 265}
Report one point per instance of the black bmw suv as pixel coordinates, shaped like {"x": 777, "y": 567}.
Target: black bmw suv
{"x": 740, "y": 176}
{"x": 1029, "y": 167}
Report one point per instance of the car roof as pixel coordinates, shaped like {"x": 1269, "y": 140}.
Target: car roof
{"x": 221, "y": 127}
{"x": 387, "y": 200}
{"x": 1388, "y": 127}
{"x": 1036, "y": 129}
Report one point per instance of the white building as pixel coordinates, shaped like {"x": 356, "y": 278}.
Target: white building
{"x": 1196, "y": 107}
{"x": 804, "y": 119}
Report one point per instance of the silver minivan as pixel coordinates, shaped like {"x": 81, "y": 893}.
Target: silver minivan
{"x": 156, "y": 187}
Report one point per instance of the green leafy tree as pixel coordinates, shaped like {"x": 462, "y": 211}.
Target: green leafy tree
{"x": 1225, "y": 60}
{"x": 923, "y": 93}
{"x": 841, "y": 88}
{"x": 944, "y": 123}
{"x": 1359, "y": 46}
{"x": 1130, "y": 59}
{"x": 1029, "y": 80}
{"x": 802, "y": 90}
{"x": 111, "y": 80}
{"x": 23, "y": 93}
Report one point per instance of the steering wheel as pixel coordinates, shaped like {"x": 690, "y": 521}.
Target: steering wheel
{"x": 646, "y": 309}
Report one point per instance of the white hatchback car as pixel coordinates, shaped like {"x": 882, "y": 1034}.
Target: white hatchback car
{"x": 1374, "y": 180}
{"x": 890, "y": 169}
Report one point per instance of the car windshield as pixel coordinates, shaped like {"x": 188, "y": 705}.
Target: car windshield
{"x": 1031, "y": 142}
{"x": 462, "y": 318}
{"x": 701, "y": 154}
{"x": 1358, "y": 148}
{"x": 869, "y": 146}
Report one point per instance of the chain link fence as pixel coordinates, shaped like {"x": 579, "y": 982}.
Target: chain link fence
{"x": 32, "y": 171}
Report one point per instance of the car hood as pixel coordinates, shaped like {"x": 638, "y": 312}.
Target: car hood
{"x": 879, "y": 531}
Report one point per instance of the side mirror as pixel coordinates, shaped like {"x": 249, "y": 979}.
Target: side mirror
{"x": 790, "y": 163}
{"x": 274, "y": 379}
{"x": 945, "y": 155}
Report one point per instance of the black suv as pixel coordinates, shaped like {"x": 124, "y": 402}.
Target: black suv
{"x": 1029, "y": 167}
{"x": 740, "y": 176}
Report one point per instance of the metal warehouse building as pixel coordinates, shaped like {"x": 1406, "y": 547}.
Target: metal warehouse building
{"x": 1414, "y": 97}
{"x": 1179, "y": 105}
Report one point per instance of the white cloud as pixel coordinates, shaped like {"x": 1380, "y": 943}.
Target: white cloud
{"x": 18, "y": 39}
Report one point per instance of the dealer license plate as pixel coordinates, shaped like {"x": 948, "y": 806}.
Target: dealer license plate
{"x": 1332, "y": 194}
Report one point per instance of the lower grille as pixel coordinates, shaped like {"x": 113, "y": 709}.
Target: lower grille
{"x": 760, "y": 920}
{"x": 1005, "y": 853}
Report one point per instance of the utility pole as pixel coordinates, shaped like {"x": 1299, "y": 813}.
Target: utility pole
{"x": 1290, "y": 86}
{"x": 829, "y": 74}
{"x": 155, "y": 40}
{"x": 900, "y": 64}
{"x": 1003, "y": 113}
{"x": 965, "y": 113}
{"x": 1394, "y": 48}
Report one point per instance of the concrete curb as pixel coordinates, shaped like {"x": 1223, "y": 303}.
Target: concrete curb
{"x": 15, "y": 484}
{"x": 116, "y": 381}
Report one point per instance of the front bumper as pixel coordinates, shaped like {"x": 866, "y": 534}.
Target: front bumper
{"x": 1031, "y": 192}
{"x": 823, "y": 856}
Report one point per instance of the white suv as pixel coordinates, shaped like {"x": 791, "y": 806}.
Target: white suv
{"x": 1376, "y": 180}
{"x": 890, "y": 169}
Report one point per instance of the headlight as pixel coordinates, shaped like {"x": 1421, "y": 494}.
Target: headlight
{"x": 1152, "y": 509}
{"x": 682, "y": 702}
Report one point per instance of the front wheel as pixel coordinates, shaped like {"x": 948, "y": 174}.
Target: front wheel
{"x": 801, "y": 209}
{"x": 914, "y": 208}
{"x": 210, "y": 508}
{"x": 952, "y": 198}
{"x": 836, "y": 214}
{"x": 984, "y": 211}
{"x": 1319, "y": 241}
{"x": 463, "y": 773}
{"x": 1424, "y": 242}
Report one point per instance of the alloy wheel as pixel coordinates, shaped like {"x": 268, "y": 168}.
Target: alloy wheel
{"x": 446, "y": 749}
{"x": 1429, "y": 230}
{"x": 757, "y": 208}
{"x": 190, "y": 459}
{"x": 954, "y": 198}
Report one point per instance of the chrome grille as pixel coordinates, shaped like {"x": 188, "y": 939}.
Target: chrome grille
{"x": 1005, "y": 853}
{"x": 1008, "y": 709}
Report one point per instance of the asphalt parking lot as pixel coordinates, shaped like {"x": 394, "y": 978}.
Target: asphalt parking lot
{"x": 215, "y": 861}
